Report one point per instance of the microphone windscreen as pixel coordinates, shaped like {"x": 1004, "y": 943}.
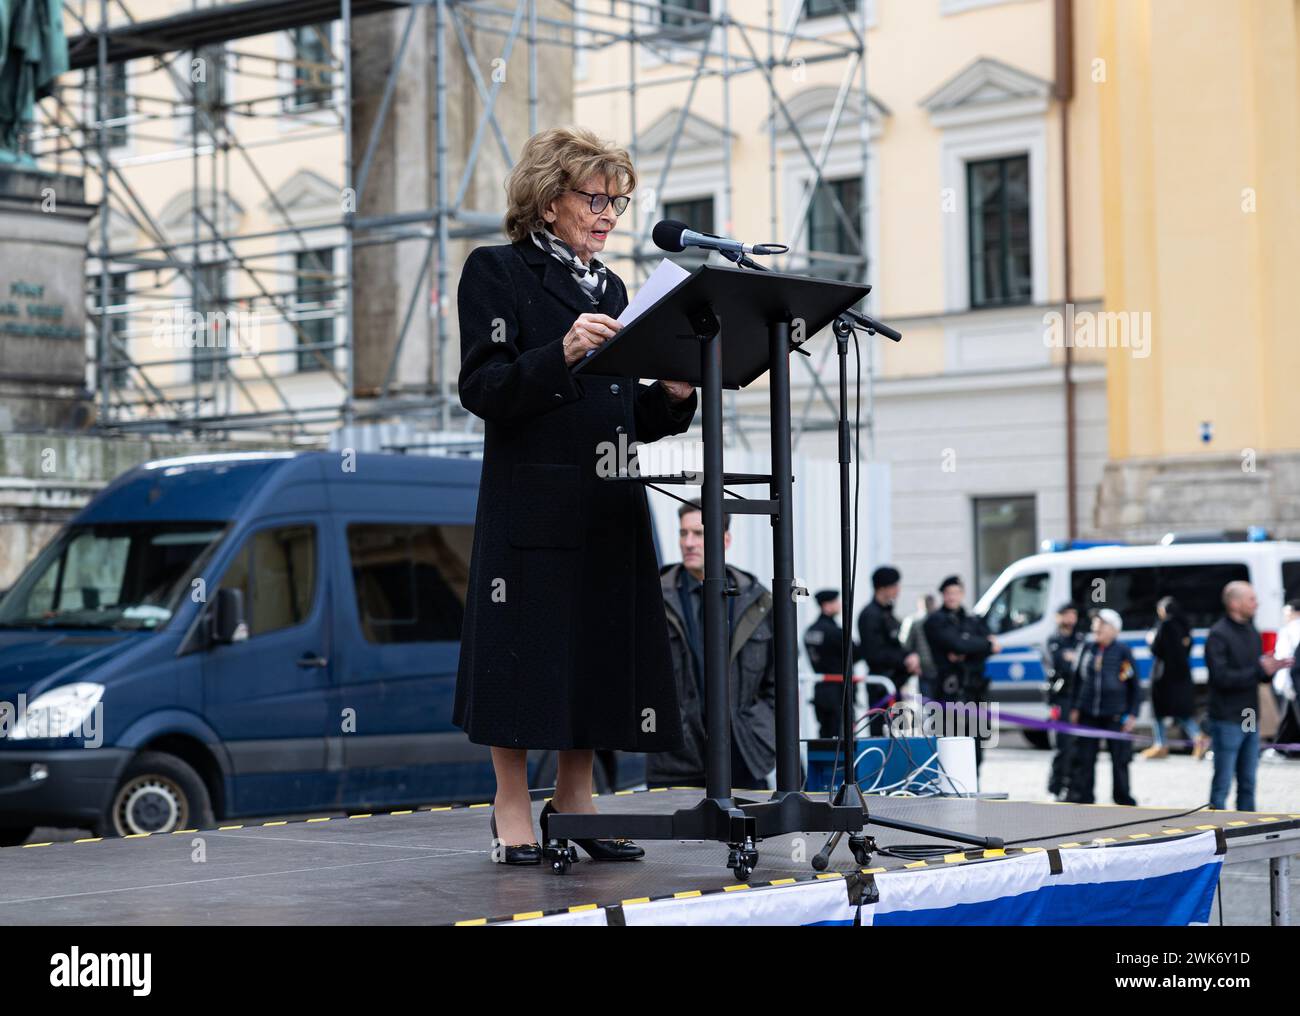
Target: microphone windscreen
{"x": 667, "y": 235}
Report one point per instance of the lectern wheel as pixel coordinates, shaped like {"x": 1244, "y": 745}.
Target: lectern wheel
{"x": 560, "y": 854}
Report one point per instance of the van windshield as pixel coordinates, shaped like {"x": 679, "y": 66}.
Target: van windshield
{"x": 127, "y": 575}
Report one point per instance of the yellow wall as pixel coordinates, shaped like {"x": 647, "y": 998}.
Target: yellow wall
{"x": 1199, "y": 115}
{"x": 912, "y": 50}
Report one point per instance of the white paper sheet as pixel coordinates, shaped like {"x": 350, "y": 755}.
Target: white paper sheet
{"x": 668, "y": 275}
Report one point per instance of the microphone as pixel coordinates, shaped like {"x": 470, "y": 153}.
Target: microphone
{"x": 674, "y": 237}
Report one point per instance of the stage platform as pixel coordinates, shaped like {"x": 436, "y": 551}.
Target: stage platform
{"x": 431, "y": 865}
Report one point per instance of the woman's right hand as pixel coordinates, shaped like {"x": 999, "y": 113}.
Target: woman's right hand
{"x": 588, "y": 332}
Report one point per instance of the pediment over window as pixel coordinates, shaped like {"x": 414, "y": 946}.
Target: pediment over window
{"x": 123, "y": 233}
{"x": 305, "y": 195}
{"x": 987, "y": 89}
{"x": 177, "y": 216}
{"x": 697, "y": 134}
{"x": 811, "y": 111}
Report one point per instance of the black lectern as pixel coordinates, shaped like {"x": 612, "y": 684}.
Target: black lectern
{"x": 723, "y": 328}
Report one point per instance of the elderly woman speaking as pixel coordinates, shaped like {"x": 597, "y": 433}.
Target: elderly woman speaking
{"x": 565, "y": 644}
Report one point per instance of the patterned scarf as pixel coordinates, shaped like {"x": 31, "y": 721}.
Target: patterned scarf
{"x": 590, "y": 276}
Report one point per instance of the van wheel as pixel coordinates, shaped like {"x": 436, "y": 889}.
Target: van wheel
{"x": 158, "y": 793}
{"x": 11, "y": 836}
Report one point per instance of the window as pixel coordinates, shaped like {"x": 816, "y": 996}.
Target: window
{"x": 276, "y": 570}
{"x": 685, "y": 16}
{"x": 119, "y": 575}
{"x": 1290, "y": 580}
{"x": 116, "y": 103}
{"x": 828, "y": 233}
{"x": 998, "y": 199}
{"x": 313, "y": 71}
{"x": 827, "y": 8}
{"x": 313, "y": 287}
{"x": 210, "y": 346}
{"x": 698, "y": 214}
{"x": 1006, "y": 529}
{"x": 114, "y": 305}
{"x": 410, "y": 580}
{"x": 208, "y": 85}
{"x": 1021, "y": 603}
{"x": 1134, "y": 592}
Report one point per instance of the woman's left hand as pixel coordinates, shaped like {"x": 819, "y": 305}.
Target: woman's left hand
{"x": 679, "y": 391}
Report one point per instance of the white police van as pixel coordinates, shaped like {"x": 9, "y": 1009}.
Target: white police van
{"x": 1020, "y": 607}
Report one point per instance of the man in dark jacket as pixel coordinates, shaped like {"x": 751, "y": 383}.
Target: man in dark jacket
{"x": 878, "y": 639}
{"x": 960, "y": 643}
{"x": 1234, "y": 656}
{"x": 1107, "y": 694}
{"x": 1062, "y": 654}
{"x": 824, "y": 641}
{"x": 752, "y": 666}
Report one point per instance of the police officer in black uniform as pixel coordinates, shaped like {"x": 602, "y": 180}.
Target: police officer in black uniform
{"x": 878, "y": 637}
{"x": 960, "y": 642}
{"x": 1062, "y": 656}
{"x": 824, "y": 641}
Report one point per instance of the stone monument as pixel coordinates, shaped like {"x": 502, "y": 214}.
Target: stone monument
{"x": 44, "y": 224}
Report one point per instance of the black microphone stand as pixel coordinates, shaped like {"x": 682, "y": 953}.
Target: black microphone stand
{"x": 849, "y": 793}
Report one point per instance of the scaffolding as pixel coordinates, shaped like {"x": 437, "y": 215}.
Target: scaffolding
{"x": 77, "y": 126}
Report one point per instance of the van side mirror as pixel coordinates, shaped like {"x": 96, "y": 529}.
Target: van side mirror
{"x": 226, "y": 623}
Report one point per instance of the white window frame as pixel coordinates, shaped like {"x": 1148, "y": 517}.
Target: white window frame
{"x": 304, "y": 116}
{"x": 287, "y": 365}
{"x": 1022, "y": 135}
{"x": 947, "y": 7}
{"x": 646, "y": 15}
{"x": 829, "y": 24}
{"x": 185, "y": 110}
{"x": 128, "y": 148}
{"x": 843, "y": 160}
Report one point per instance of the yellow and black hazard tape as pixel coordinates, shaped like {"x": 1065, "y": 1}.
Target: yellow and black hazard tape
{"x": 1236, "y": 824}
{"x": 956, "y": 857}
{"x": 315, "y": 820}
{"x": 615, "y": 915}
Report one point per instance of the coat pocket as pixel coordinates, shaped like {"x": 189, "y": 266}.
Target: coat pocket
{"x": 545, "y": 506}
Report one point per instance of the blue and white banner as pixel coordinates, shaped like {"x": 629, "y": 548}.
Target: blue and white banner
{"x": 1168, "y": 883}
{"x": 1171, "y": 882}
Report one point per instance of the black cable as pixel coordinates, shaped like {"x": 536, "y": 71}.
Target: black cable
{"x": 921, "y": 851}
{"x": 1106, "y": 828}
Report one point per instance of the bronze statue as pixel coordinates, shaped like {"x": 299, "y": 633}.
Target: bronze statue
{"x": 33, "y": 53}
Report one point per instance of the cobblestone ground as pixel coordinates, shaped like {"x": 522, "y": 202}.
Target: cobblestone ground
{"x": 1174, "y": 782}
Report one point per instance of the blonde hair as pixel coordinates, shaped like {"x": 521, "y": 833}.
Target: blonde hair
{"x": 554, "y": 160}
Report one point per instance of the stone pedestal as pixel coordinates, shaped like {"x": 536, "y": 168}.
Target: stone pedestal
{"x": 44, "y": 224}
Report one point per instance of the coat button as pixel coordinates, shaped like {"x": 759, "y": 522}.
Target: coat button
{"x": 559, "y": 396}
{"x": 620, "y": 429}
{"x": 614, "y": 389}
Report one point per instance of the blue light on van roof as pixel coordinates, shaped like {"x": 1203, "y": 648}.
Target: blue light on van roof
{"x": 1056, "y": 546}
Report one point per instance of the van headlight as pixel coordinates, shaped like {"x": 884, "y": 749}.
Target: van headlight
{"x": 59, "y": 712}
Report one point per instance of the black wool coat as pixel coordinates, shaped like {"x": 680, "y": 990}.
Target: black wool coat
{"x": 1172, "y": 691}
{"x": 565, "y": 643}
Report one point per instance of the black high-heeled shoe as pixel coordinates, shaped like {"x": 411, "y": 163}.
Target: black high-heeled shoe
{"x": 516, "y": 853}
{"x": 598, "y": 850}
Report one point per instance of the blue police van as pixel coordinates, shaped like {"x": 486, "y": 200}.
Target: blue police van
{"x": 247, "y": 634}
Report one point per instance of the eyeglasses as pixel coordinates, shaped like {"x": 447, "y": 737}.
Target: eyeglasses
{"x": 599, "y": 202}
